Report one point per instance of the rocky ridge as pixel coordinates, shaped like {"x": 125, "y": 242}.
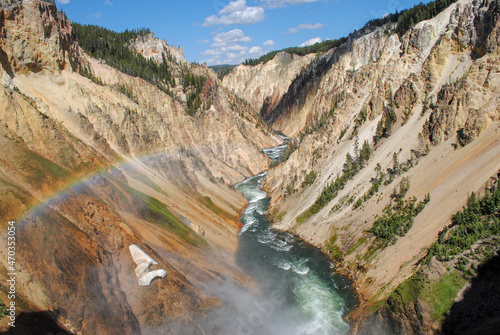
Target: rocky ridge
{"x": 151, "y": 47}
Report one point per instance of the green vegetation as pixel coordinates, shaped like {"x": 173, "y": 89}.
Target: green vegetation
{"x": 390, "y": 95}
{"x": 126, "y": 90}
{"x": 112, "y": 47}
{"x": 281, "y": 216}
{"x": 352, "y": 166}
{"x": 317, "y": 124}
{"x": 275, "y": 215}
{"x": 207, "y": 201}
{"x": 301, "y": 51}
{"x": 87, "y": 71}
{"x": 407, "y": 292}
{"x": 376, "y": 182}
{"x": 290, "y": 188}
{"x": 334, "y": 249}
{"x": 398, "y": 218}
{"x": 143, "y": 178}
{"x": 152, "y": 210}
{"x": 341, "y": 135}
{"x": 42, "y": 171}
{"x": 476, "y": 225}
{"x": 222, "y": 70}
{"x": 365, "y": 153}
{"x": 372, "y": 250}
{"x": 360, "y": 242}
{"x": 425, "y": 104}
{"x": 384, "y": 126}
{"x": 406, "y": 115}
{"x": 360, "y": 119}
{"x": 346, "y": 200}
{"x": 309, "y": 178}
{"x": 194, "y": 85}
{"x": 385, "y": 179}
{"x": 439, "y": 295}
{"x": 477, "y": 221}
{"x": 3, "y": 309}
{"x": 410, "y": 17}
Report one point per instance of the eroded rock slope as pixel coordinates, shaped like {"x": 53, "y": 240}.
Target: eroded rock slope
{"x": 89, "y": 167}
{"x": 427, "y": 105}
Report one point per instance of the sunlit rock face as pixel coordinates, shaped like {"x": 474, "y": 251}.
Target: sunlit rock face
{"x": 264, "y": 85}
{"x": 151, "y": 47}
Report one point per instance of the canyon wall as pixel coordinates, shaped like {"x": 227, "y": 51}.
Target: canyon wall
{"x": 427, "y": 105}
{"x": 264, "y": 85}
{"x": 93, "y": 160}
{"x": 92, "y": 164}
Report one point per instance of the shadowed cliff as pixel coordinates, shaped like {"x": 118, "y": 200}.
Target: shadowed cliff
{"x": 478, "y": 312}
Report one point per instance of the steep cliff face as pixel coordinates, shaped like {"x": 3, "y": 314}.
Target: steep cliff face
{"x": 427, "y": 104}
{"x": 87, "y": 170}
{"x": 42, "y": 39}
{"x": 379, "y": 62}
{"x": 263, "y": 85}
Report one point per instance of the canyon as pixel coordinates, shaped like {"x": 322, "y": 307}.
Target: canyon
{"x": 94, "y": 160}
{"x": 87, "y": 171}
{"x": 439, "y": 81}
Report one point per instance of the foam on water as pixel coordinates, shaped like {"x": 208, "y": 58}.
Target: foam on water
{"x": 281, "y": 248}
{"x": 250, "y": 188}
{"x": 247, "y": 221}
{"x": 324, "y": 306}
{"x": 284, "y": 265}
{"x": 276, "y": 152}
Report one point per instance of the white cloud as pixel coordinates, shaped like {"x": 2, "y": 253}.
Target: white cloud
{"x": 284, "y": 3}
{"x": 63, "y": 2}
{"x": 97, "y": 15}
{"x": 311, "y": 41}
{"x": 227, "y": 48}
{"x": 230, "y": 37}
{"x": 305, "y": 26}
{"x": 234, "y": 6}
{"x": 255, "y": 51}
{"x": 269, "y": 43}
{"x": 108, "y": 3}
{"x": 235, "y": 57}
{"x": 237, "y": 13}
{"x": 224, "y": 50}
{"x": 202, "y": 41}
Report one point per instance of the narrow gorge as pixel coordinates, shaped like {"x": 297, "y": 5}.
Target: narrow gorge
{"x": 347, "y": 191}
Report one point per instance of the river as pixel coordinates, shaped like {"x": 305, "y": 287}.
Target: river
{"x": 303, "y": 294}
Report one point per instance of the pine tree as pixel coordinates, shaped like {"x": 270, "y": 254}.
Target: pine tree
{"x": 365, "y": 152}
{"x": 395, "y": 163}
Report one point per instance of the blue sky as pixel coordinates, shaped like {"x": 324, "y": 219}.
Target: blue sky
{"x": 228, "y": 32}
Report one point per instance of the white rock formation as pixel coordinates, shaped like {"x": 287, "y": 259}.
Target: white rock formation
{"x": 151, "y": 47}
{"x": 144, "y": 261}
